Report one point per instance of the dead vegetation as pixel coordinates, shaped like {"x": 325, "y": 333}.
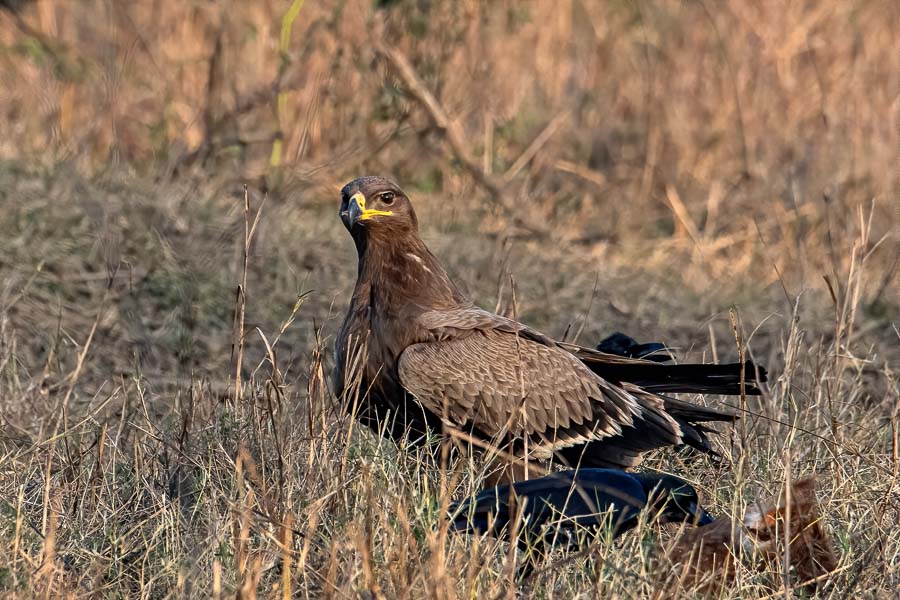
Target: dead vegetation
{"x": 620, "y": 165}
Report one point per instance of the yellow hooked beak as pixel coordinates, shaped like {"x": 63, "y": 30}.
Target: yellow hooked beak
{"x": 358, "y": 211}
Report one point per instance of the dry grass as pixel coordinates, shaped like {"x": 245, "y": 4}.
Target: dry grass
{"x": 656, "y": 164}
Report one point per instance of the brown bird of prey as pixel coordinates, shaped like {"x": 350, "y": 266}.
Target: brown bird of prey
{"x": 415, "y": 355}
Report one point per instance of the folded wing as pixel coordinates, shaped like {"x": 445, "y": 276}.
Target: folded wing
{"x": 506, "y": 386}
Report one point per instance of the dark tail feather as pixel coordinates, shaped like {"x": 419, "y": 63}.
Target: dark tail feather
{"x": 661, "y": 379}
{"x": 694, "y": 413}
{"x": 694, "y": 436}
{"x": 687, "y": 378}
{"x": 648, "y": 373}
{"x": 690, "y": 416}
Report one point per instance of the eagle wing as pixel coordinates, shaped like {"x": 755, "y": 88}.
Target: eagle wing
{"x": 507, "y": 381}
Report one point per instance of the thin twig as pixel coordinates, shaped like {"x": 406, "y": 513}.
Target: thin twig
{"x": 454, "y": 137}
{"x": 535, "y": 146}
{"x": 439, "y": 118}
{"x": 237, "y": 353}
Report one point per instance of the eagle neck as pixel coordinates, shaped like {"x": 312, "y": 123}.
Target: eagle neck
{"x": 402, "y": 276}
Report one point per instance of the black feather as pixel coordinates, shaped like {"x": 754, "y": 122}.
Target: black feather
{"x": 554, "y": 508}
{"x": 688, "y": 378}
{"x": 623, "y": 345}
{"x": 669, "y": 378}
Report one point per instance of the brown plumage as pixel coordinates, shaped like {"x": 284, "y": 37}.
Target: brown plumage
{"x": 414, "y": 354}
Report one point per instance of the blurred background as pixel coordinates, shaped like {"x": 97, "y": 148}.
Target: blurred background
{"x": 621, "y": 164}
{"x": 652, "y": 167}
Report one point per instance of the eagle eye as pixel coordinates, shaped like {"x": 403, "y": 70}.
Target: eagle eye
{"x": 387, "y": 197}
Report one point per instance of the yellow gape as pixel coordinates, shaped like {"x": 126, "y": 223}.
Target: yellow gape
{"x": 364, "y": 212}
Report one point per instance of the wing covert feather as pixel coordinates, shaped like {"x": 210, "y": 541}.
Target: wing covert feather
{"x": 499, "y": 381}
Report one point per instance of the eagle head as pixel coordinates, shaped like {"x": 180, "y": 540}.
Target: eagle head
{"x": 372, "y": 204}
